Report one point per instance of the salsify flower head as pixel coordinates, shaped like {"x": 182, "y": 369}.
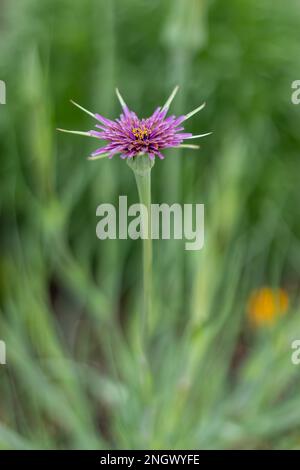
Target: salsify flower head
{"x": 130, "y": 136}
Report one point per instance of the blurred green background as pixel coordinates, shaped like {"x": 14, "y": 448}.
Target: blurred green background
{"x": 70, "y": 303}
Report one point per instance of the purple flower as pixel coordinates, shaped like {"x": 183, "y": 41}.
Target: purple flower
{"x": 130, "y": 136}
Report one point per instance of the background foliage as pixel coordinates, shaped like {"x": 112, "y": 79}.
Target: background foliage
{"x": 70, "y": 303}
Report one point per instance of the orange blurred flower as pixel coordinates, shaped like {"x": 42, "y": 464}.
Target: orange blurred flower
{"x": 266, "y": 304}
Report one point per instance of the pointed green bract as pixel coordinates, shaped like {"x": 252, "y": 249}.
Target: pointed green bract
{"x": 120, "y": 98}
{"x": 75, "y": 132}
{"x": 171, "y": 97}
{"x": 82, "y": 108}
{"x": 195, "y": 111}
{"x": 189, "y": 146}
{"x": 98, "y": 157}
{"x": 199, "y": 136}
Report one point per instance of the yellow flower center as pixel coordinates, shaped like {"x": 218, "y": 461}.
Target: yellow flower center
{"x": 140, "y": 132}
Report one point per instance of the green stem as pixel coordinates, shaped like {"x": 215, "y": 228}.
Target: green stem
{"x": 144, "y": 189}
{"x": 141, "y": 166}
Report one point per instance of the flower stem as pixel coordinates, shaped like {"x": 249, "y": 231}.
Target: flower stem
{"x": 144, "y": 188}
{"x": 141, "y": 166}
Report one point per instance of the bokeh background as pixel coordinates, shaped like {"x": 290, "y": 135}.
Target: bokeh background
{"x": 221, "y": 370}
